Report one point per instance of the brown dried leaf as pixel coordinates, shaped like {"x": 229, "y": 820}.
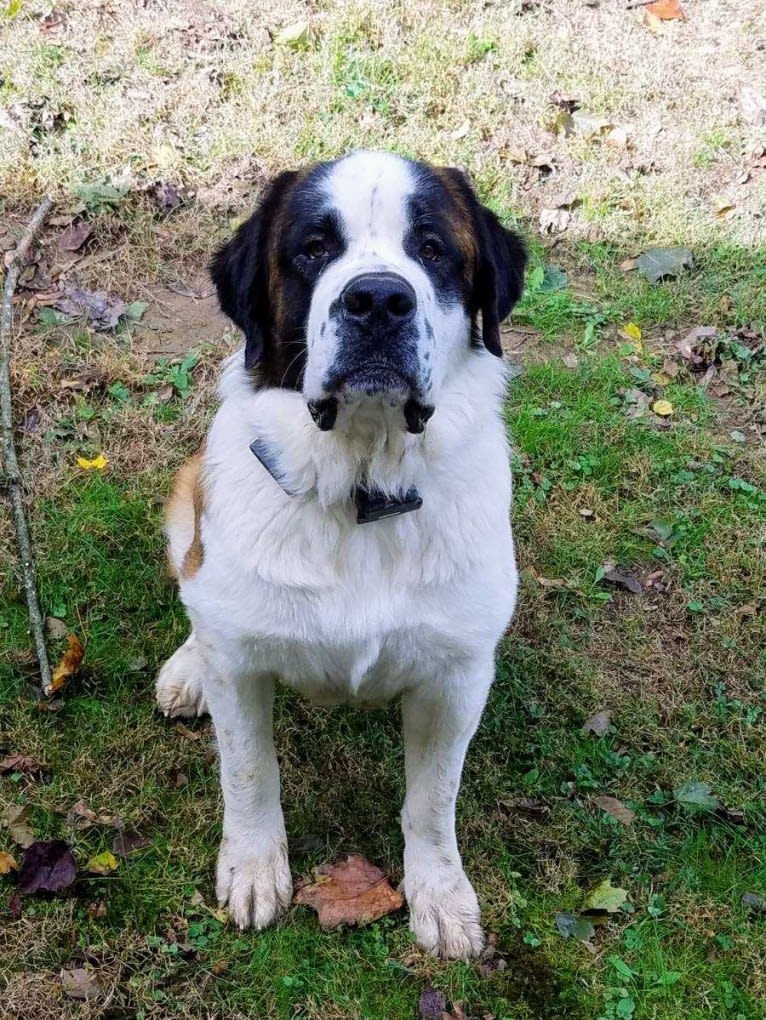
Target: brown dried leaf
{"x": 55, "y": 629}
{"x": 23, "y": 763}
{"x": 68, "y": 667}
{"x": 81, "y": 816}
{"x": 351, "y": 892}
{"x": 616, "y": 809}
{"x": 102, "y": 310}
{"x": 80, "y": 983}
{"x": 622, "y": 579}
{"x": 598, "y": 723}
{"x": 75, "y": 235}
{"x": 16, "y": 817}
{"x": 128, "y": 842}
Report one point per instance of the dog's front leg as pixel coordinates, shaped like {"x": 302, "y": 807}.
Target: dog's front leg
{"x": 439, "y": 720}
{"x": 253, "y": 872}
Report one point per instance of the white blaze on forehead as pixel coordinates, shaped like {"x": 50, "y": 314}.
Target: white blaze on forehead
{"x": 370, "y": 191}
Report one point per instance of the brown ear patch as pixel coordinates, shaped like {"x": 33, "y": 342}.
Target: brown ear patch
{"x": 183, "y": 519}
{"x": 463, "y": 221}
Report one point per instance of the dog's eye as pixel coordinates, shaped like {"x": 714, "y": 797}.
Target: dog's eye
{"x": 316, "y": 248}
{"x": 429, "y": 251}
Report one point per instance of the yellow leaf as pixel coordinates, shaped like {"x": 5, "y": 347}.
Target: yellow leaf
{"x": 104, "y": 863}
{"x": 632, "y": 332}
{"x": 662, "y": 407}
{"x": 7, "y": 863}
{"x": 99, "y": 463}
{"x": 69, "y": 665}
{"x": 661, "y": 378}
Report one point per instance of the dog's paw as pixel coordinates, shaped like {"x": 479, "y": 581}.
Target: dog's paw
{"x": 256, "y": 886}
{"x": 179, "y": 683}
{"x": 444, "y": 914}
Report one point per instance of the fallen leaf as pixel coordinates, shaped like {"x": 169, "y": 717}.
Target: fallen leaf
{"x": 97, "y": 909}
{"x": 432, "y": 1004}
{"x": 7, "y": 863}
{"x": 96, "y": 464}
{"x": 616, "y": 809}
{"x": 631, "y": 331}
{"x": 752, "y": 106}
{"x": 166, "y": 196}
{"x": 22, "y": 763}
{"x": 598, "y": 723}
{"x": 552, "y": 582}
{"x": 591, "y": 125}
{"x": 103, "y": 864}
{"x": 628, "y": 265}
{"x": 617, "y": 138}
{"x": 460, "y": 132}
{"x": 128, "y": 842}
{"x": 755, "y": 902}
{"x": 80, "y": 815}
{"x": 606, "y": 898}
{"x": 695, "y": 796}
{"x": 554, "y": 221}
{"x": 88, "y": 379}
{"x": 80, "y": 983}
{"x": 294, "y": 36}
{"x": 570, "y": 359}
{"x": 527, "y": 807}
{"x": 667, "y": 10}
{"x": 68, "y": 666}
{"x": 55, "y": 629}
{"x": 663, "y": 408}
{"x": 103, "y": 310}
{"x": 575, "y": 927}
{"x": 75, "y": 235}
{"x": 660, "y": 263}
{"x": 16, "y": 818}
{"x": 351, "y": 892}
{"x": 47, "y": 867}
{"x": 622, "y": 579}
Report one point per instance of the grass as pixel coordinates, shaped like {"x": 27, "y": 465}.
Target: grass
{"x": 206, "y": 99}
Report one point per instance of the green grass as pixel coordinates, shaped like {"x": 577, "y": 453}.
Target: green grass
{"x": 684, "y": 684}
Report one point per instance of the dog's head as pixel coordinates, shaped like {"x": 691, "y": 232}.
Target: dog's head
{"x": 365, "y": 278}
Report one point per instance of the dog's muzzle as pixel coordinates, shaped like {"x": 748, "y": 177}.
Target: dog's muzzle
{"x": 377, "y": 349}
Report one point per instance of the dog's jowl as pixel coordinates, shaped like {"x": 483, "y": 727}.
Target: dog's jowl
{"x": 345, "y": 528}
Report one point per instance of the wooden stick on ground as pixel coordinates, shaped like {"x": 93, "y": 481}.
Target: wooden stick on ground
{"x": 11, "y": 476}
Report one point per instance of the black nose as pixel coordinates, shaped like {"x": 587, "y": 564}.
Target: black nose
{"x": 382, "y": 297}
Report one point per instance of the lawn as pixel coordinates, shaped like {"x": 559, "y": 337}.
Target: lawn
{"x": 624, "y": 739}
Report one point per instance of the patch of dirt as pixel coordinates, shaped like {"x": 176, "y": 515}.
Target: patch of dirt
{"x": 180, "y": 317}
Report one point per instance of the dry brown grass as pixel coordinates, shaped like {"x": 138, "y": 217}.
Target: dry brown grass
{"x": 203, "y": 95}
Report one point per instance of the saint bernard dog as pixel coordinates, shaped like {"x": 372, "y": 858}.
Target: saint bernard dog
{"x": 345, "y": 528}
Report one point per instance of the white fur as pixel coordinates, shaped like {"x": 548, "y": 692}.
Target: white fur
{"x": 291, "y": 587}
{"x": 369, "y": 192}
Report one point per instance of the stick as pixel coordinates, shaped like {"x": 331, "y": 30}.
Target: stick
{"x": 12, "y": 475}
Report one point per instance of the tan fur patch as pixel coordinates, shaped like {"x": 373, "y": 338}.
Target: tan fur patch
{"x": 183, "y": 518}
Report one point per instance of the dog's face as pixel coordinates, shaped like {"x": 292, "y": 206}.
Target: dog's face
{"x": 363, "y": 279}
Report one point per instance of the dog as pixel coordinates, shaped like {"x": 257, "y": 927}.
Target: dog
{"x": 346, "y": 527}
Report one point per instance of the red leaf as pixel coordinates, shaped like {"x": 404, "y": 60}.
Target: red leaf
{"x": 75, "y": 235}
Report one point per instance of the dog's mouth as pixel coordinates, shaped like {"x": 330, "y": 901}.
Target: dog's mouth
{"x": 372, "y": 378}
{"x": 375, "y": 379}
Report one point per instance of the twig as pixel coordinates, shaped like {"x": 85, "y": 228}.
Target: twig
{"x": 12, "y": 475}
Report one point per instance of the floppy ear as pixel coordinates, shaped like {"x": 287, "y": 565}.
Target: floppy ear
{"x": 240, "y": 272}
{"x": 499, "y": 276}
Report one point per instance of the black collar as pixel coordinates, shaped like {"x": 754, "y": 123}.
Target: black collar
{"x": 371, "y": 505}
